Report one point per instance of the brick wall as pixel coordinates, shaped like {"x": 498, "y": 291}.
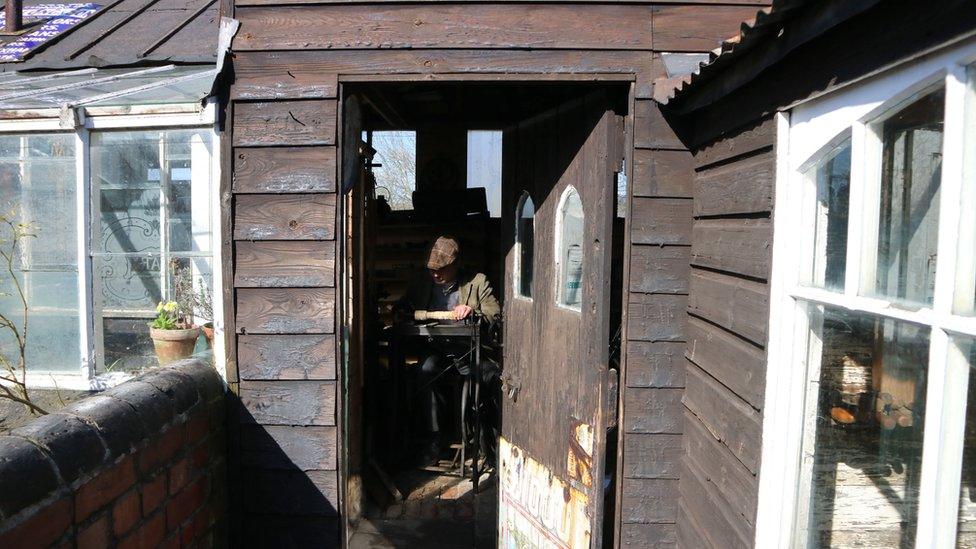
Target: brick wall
{"x": 140, "y": 465}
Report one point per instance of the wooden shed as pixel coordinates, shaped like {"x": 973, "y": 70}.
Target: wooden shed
{"x": 828, "y": 367}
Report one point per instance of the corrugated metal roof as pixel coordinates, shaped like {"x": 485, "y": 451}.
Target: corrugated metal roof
{"x": 132, "y": 32}
{"x": 768, "y": 21}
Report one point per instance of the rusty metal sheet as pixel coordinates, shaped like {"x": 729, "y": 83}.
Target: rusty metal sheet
{"x": 536, "y": 509}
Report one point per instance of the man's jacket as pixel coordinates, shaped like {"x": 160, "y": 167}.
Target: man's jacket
{"x": 474, "y": 290}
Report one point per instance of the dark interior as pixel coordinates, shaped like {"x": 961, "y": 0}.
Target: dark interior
{"x": 423, "y": 175}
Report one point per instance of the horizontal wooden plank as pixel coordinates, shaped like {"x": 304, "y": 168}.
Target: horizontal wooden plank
{"x": 285, "y": 217}
{"x": 655, "y": 364}
{"x": 660, "y": 269}
{"x": 284, "y": 169}
{"x": 285, "y": 310}
{"x": 275, "y": 492}
{"x": 656, "y": 317}
{"x": 285, "y": 84}
{"x": 702, "y": 502}
{"x": 736, "y": 424}
{"x": 761, "y": 136}
{"x": 273, "y": 357}
{"x": 737, "y": 364}
{"x": 697, "y": 28}
{"x": 288, "y": 402}
{"x": 652, "y": 411}
{"x": 400, "y": 62}
{"x": 734, "y": 303}
{"x": 651, "y": 129}
{"x": 662, "y": 173}
{"x": 438, "y": 2}
{"x": 661, "y": 221}
{"x": 282, "y": 264}
{"x": 648, "y": 536}
{"x": 289, "y": 447}
{"x": 743, "y": 187}
{"x": 413, "y": 26}
{"x": 742, "y": 246}
{"x": 307, "y": 122}
{"x": 738, "y": 487}
{"x": 646, "y": 501}
{"x": 652, "y": 456}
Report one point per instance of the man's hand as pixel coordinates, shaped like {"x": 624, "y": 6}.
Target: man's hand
{"x": 462, "y": 311}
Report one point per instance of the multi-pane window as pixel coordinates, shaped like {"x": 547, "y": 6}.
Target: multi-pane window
{"x": 92, "y": 283}
{"x": 874, "y": 438}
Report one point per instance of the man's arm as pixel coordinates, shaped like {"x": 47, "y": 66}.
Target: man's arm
{"x": 488, "y": 304}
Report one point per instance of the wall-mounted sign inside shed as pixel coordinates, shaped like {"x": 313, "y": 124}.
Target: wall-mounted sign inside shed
{"x": 51, "y": 20}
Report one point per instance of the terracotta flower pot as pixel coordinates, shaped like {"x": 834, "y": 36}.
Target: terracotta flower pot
{"x": 208, "y": 332}
{"x": 172, "y": 345}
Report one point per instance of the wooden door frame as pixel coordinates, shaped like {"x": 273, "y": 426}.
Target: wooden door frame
{"x": 344, "y": 330}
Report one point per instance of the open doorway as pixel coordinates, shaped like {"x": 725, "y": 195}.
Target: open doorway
{"x": 481, "y": 292}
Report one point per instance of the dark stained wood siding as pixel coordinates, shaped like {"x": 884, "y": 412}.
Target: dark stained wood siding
{"x": 728, "y": 314}
{"x": 289, "y": 59}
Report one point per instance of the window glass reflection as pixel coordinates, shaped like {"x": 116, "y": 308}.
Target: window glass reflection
{"x": 525, "y": 238}
{"x": 832, "y": 176}
{"x": 570, "y": 266}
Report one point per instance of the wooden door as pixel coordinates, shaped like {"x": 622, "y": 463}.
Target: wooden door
{"x": 560, "y": 189}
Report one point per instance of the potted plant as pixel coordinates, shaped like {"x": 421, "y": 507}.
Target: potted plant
{"x": 199, "y": 297}
{"x": 173, "y": 335}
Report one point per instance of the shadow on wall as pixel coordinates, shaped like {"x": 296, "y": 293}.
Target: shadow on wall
{"x": 284, "y": 487}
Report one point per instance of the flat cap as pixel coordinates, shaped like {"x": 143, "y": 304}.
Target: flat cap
{"x": 443, "y": 252}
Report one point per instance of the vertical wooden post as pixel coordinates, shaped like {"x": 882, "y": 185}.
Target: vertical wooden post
{"x": 14, "y": 15}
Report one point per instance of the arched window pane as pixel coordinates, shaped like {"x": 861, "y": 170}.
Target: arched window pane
{"x": 525, "y": 238}
{"x": 570, "y": 258}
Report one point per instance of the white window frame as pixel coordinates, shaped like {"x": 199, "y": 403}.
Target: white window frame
{"x": 517, "y": 268}
{"x": 802, "y": 133}
{"x": 81, "y": 123}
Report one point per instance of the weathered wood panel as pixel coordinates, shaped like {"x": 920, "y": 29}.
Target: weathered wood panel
{"x": 661, "y": 221}
{"x": 663, "y": 173}
{"x": 718, "y": 523}
{"x": 761, "y": 136}
{"x": 472, "y": 26}
{"x": 275, "y": 492}
{"x": 692, "y": 28}
{"x": 254, "y": 64}
{"x": 284, "y": 169}
{"x": 652, "y": 456}
{"x": 737, "y": 364}
{"x": 736, "y": 304}
{"x": 743, "y": 187}
{"x": 660, "y": 269}
{"x": 655, "y": 364}
{"x": 288, "y": 447}
{"x": 288, "y": 402}
{"x": 740, "y": 246}
{"x": 274, "y": 357}
{"x": 656, "y": 317}
{"x": 294, "y": 83}
{"x": 689, "y": 531}
{"x": 738, "y": 487}
{"x": 651, "y": 130}
{"x": 649, "y": 501}
{"x": 307, "y": 122}
{"x": 648, "y": 536}
{"x": 285, "y": 311}
{"x": 652, "y": 411}
{"x": 285, "y": 217}
{"x": 282, "y": 264}
{"x": 726, "y": 416}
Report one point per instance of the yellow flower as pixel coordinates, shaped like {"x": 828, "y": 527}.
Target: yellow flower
{"x": 159, "y": 307}
{"x": 170, "y": 307}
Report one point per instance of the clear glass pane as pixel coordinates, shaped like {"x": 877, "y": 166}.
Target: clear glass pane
{"x": 910, "y": 181}
{"x": 396, "y": 176}
{"x": 964, "y": 349}
{"x": 525, "y": 234}
{"x": 866, "y": 394}
{"x": 832, "y": 176}
{"x": 570, "y": 258}
{"x": 485, "y": 166}
{"x": 37, "y": 190}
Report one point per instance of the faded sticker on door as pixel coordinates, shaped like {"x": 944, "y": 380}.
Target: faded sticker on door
{"x": 536, "y": 508}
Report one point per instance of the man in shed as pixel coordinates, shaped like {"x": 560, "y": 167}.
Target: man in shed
{"x": 445, "y": 287}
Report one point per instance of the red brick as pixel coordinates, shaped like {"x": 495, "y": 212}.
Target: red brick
{"x": 202, "y": 455}
{"x": 172, "y": 542}
{"x": 179, "y": 474}
{"x": 126, "y": 513}
{"x": 198, "y": 426}
{"x": 104, "y": 488}
{"x": 161, "y": 451}
{"x": 183, "y": 505}
{"x": 149, "y": 534}
{"x": 196, "y": 526}
{"x": 95, "y": 535}
{"x": 153, "y": 493}
{"x": 42, "y": 529}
